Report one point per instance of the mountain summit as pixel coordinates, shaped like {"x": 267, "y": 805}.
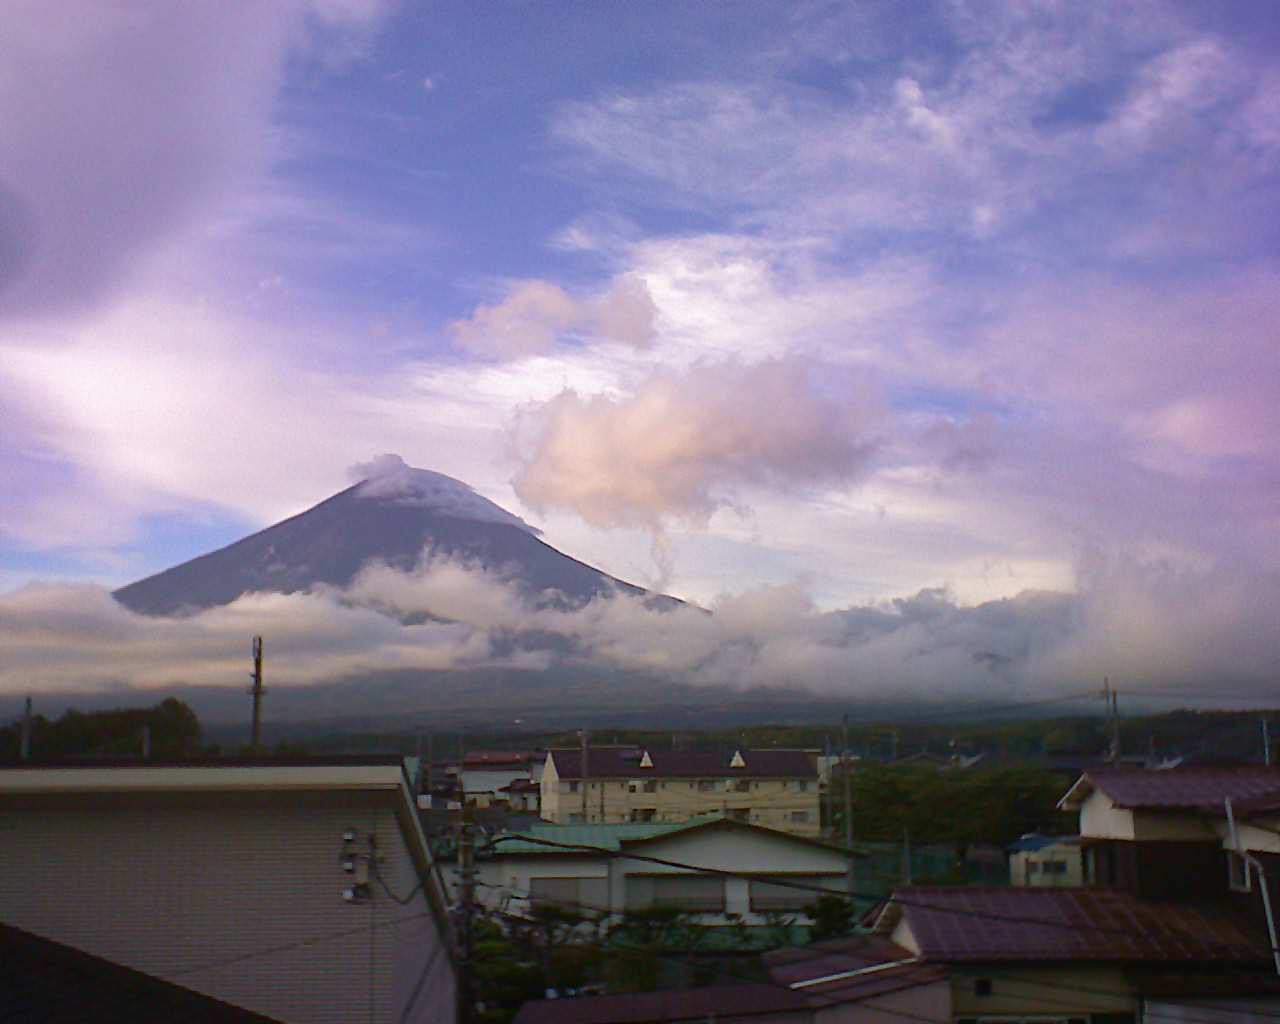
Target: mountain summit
{"x": 396, "y": 515}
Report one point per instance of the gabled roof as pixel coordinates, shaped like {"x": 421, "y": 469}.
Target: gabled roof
{"x": 989, "y": 923}
{"x": 615, "y": 763}
{"x": 1250, "y": 788}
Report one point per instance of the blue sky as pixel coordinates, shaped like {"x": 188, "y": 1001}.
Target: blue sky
{"x": 839, "y": 301}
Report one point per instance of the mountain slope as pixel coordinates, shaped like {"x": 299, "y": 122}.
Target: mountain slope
{"x": 392, "y": 518}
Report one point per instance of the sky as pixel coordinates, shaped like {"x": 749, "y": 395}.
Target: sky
{"x": 929, "y": 344}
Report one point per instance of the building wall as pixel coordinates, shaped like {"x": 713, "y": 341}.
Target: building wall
{"x": 1059, "y": 991}
{"x": 509, "y": 879}
{"x": 1035, "y": 867}
{"x": 789, "y": 805}
{"x": 237, "y": 896}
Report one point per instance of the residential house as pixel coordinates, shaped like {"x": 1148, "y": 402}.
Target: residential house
{"x": 1170, "y": 924}
{"x": 744, "y": 873}
{"x": 776, "y": 789}
{"x": 1046, "y": 860}
{"x": 298, "y": 891}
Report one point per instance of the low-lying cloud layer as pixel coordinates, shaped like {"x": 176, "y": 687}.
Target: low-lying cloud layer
{"x": 1151, "y": 629}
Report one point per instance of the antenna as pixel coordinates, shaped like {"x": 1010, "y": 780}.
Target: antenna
{"x": 255, "y": 739}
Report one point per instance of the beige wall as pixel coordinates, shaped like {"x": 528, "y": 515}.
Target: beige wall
{"x": 1021, "y": 871}
{"x": 237, "y": 896}
{"x": 1101, "y": 819}
{"x": 789, "y": 805}
{"x": 1065, "y": 990}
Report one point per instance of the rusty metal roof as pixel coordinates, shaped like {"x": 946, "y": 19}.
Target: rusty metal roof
{"x": 985, "y": 923}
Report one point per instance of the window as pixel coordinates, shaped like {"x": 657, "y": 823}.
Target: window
{"x": 769, "y": 896}
{"x": 576, "y": 894}
{"x": 706, "y": 786}
{"x": 697, "y": 893}
{"x": 803, "y": 786}
{"x": 1055, "y": 867}
{"x": 651, "y": 785}
{"x": 740, "y": 813}
{"x": 1239, "y": 873}
{"x": 799, "y": 817}
{"x": 573, "y": 787}
{"x": 741, "y": 786}
{"x": 643, "y": 813}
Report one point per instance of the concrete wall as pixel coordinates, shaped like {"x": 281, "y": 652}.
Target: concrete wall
{"x": 237, "y": 896}
{"x": 789, "y": 805}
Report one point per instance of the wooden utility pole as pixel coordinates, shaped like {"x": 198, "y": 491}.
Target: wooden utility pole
{"x": 255, "y": 736}
{"x": 1110, "y": 696}
{"x": 24, "y": 744}
{"x": 848, "y": 799}
{"x": 1266, "y": 742}
{"x": 585, "y": 751}
{"x": 467, "y": 870}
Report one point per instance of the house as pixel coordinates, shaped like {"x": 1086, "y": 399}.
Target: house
{"x": 522, "y": 795}
{"x": 609, "y": 869}
{"x": 1069, "y": 953}
{"x": 1046, "y": 860}
{"x": 1172, "y": 923}
{"x": 299, "y": 890}
{"x": 776, "y": 789}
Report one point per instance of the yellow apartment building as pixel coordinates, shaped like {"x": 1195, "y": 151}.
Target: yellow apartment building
{"x": 772, "y": 788}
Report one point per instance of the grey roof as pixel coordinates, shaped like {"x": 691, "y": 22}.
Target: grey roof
{"x": 621, "y": 763}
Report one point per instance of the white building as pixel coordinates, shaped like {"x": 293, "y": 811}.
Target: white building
{"x": 303, "y": 892}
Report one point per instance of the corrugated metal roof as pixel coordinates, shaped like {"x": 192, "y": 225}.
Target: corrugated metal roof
{"x": 1249, "y": 787}
{"x": 605, "y": 837}
{"x": 1004, "y": 923}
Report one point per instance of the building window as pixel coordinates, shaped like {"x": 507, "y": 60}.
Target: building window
{"x": 799, "y": 817}
{"x": 703, "y": 894}
{"x": 706, "y": 786}
{"x": 803, "y": 786}
{"x": 573, "y": 787}
{"x": 769, "y": 896}
{"x": 1055, "y": 867}
{"x": 651, "y": 785}
{"x": 740, "y": 813}
{"x": 1239, "y": 873}
{"x": 643, "y": 813}
{"x": 576, "y": 894}
{"x": 741, "y": 786}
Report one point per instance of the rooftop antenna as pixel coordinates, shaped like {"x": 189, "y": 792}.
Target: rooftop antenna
{"x": 255, "y": 737}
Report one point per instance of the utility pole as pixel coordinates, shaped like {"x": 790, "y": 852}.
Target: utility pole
{"x": 585, "y": 749}
{"x": 255, "y": 737}
{"x": 24, "y": 746}
{"x": 467, "y": 868}
{"x": 1266, "y": 742}
{"x": 1110, "y": 696}
{"x": 146, "y": 743}
{"x": 848, "y": 799}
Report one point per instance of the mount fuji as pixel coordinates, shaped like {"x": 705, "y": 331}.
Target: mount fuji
{"x": 394, "y": 517}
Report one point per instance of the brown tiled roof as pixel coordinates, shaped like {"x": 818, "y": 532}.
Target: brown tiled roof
{"x": 1249, "y": 787}
{"x": 985, "y": 923}
{"x": 686, "y": 764}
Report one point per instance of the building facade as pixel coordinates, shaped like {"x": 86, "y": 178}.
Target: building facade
{"x": 775, "y": 789}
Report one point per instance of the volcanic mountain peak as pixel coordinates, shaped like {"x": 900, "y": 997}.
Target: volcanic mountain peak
{"x": 390, "y": 478}
{"x": 396, "y": 516}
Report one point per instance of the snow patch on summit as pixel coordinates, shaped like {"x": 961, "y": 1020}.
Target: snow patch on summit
{"x": 390, "y": 478}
